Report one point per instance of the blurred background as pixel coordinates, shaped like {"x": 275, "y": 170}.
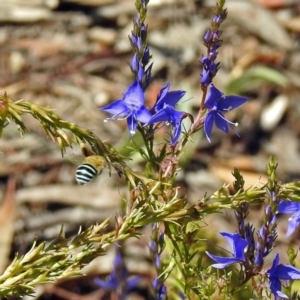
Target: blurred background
{"x": 74, "y": 55}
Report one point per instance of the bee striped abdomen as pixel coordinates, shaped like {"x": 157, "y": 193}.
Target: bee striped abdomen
{"x": 85, "y": 173}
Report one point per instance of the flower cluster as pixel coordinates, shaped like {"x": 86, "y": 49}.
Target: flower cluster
{"x": 178, "y": 241}
{"x": 249, "y": 246}
{"x": 251, "y": 252}
{"x": 132, "y": 108}
{"x": 215, "y": 103}
{"x": 239, "y": 247}
{"x": 132, "y": 105}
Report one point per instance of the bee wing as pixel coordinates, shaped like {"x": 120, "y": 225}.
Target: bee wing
{"x": 75, "y": 158}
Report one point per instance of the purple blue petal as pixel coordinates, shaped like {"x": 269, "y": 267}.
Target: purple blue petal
{"x": 238, "y": 246}
{"x": 143, "y": 115}
{"x": 222, "y": 262}
{"x": 213, "y": 97}
{"x": 134, "y": 96}
{"x": 230, "y": 102}
{"x": 132, "y": 124}
{"x": 117, "y": 108}
{"x": 221, "y": 122}
{"x": 208, "y": 124}
{"x": 288, "y": 207}
{"x": 279, "y": 272}
{"x": 287, "y": 272}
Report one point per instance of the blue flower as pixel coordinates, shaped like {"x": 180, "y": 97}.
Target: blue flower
{"x": 283, "y": 272}
{"x": 171, "y": 116}
{"x": 118, "y": 274}
{"x": 290, "y": 207}
{"x": 238, "y": 246}
{"x": 131, "y": 107}
{"x": 217, "y": 103}
{"x": 166, "y": 112}
{"x": 119, "y": 277}
{"x": 166, "y": 97}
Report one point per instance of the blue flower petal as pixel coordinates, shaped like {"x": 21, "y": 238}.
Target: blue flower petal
{"x": 167, "y": 98}
{"x": 230, "y": 102}
{"x": 161, "y": 116}
{"x": 173, "y": 97}
{"x": 213, "y": 97}
{"x": 275, "y": 287}
{"x": 132, "y": 124}
{"x": 160, "y": 98}
{"x": 222, "y": 262}
{"x": 134, "y": 96}
{"x": 176, "y": 134}
{"x": 294, "y": 222}
{"x": 280, "y": 271}
{"x": 275, "y": 263}
{"x": 286, "y": 207}
{"x": 221, "y": 122}
{"x": 143, "y": 115}
{"x": 208, "y": 124}
{"x": 117, "y": 108}
{"x": 287, "y": 272}
{"x": 229, "y": 237}
{"x": 170, "y": 115}
{"x": 237, "y": 244}
{"x": 175, "y": 115}
{"x": 281, "y": 295}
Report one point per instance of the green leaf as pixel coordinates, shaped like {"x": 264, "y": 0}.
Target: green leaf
{"x": 255, "y": 78}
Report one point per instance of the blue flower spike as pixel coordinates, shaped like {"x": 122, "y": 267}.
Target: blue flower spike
{"x": 280, "y": 272}
{"x": 238, "y": 246}
{"x": 217, "y": 103}
{"x": 131, "y": 107}
{"x": 290, "y": 207}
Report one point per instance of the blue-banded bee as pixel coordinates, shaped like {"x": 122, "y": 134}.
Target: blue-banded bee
{"x": 91, "y": 166}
